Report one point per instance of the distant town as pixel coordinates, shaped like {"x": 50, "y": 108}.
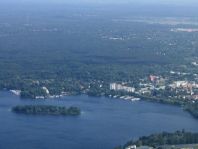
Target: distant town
{"x": 161, "y": 87}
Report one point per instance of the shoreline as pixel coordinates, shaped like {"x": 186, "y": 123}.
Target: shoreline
{"x": 133, "y": 98}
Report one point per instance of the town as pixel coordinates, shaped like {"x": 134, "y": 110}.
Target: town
{"x": 162, "y": 87}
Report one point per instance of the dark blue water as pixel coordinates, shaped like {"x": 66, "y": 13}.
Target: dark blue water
{"x": 104, "y": 123}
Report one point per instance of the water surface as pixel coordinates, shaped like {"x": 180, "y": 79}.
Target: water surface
{"x": 103, "y": 124}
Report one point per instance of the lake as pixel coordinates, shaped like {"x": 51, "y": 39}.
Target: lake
{"x": 103, "y": 124}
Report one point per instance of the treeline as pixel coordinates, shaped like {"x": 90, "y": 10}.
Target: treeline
{"x": 192, "y": 109}
{"x": 46, "y": 110}
{"x": 164, "y": 138}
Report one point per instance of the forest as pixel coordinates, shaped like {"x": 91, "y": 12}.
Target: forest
{"x": 81, "y": 51}
{"x": 68, "y": 52}
{"x": 46, "y": 110}
{"x": 164, "y": 138}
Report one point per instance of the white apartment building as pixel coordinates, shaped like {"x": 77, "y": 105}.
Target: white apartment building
{"x": 119, "y": 87}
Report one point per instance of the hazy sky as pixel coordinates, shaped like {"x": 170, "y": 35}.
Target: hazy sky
{"x": 143, "y": 1}
{"x": 179, "y": 2}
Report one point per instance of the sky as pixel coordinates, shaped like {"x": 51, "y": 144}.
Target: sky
{"x": 175, "y": 2}
{"x": 143, "y": 1}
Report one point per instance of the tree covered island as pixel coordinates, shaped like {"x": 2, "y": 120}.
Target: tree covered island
{"x": 46, "y": 110}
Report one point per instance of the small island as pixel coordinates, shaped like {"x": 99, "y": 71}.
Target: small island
{"x": 46, "y": 110}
